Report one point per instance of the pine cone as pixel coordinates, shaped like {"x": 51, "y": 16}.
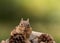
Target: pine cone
{"x": 45, "y": 38}
{"x": 17, "y": 38}
{"x": 38, "y": 37}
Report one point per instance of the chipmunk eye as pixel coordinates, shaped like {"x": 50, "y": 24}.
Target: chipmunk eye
{"x": 21, "y": 24}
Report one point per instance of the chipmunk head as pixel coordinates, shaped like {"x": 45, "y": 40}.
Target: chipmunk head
{"x": 24, "y": 23}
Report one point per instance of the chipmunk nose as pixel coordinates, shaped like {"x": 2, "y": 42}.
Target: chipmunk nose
{"x": 26, "y": 25}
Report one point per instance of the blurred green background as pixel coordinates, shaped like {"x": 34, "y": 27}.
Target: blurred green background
{"x": 44, "y": 16}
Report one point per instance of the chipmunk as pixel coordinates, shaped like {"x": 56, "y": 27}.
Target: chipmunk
{"x": 23, "y": 28}
{"x": 21, "y": 33}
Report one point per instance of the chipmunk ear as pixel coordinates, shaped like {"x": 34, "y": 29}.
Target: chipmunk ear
{"x": 28, "y": 19}
{"x": 21, "y": 19}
